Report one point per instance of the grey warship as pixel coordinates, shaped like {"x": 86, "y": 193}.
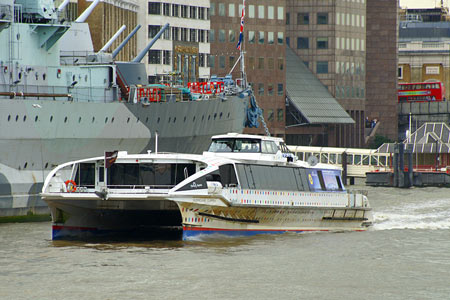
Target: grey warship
{"x": 60, "y": 101}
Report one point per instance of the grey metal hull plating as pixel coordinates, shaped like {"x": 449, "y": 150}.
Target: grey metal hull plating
{"x": 37, "y": 135}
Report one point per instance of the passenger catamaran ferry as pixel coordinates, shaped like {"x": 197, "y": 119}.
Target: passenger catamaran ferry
{"x": 243, "y": 185}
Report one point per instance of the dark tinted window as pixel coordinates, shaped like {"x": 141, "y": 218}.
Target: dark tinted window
{"x": 85, "y": 174}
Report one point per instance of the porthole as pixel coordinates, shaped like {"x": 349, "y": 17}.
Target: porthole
{"x": 65, "y": 120}
{"x": 9, "y": 118}
{"x": 44, "y": 76}
{"x": 25, "y": 165}
{"x": 137, "y": 120}
{"x": 169, "y": 120}
{"x": 79, "y": 120}
{"x": 112, "y": 120}
{"x": 36, "y": 118}
{"x": 209, "y": 117}
{"x": 93, "y": 119}
{"x": 17, "y": 118}
{"x": 228, "y": 116}
{"x": 106, "y": 120}
{"x": 184, "y": 119}
{"x": 215, "y": 116}
{"x": 46, "y": 165}
{"x": 158, "y": 120}
{"x": 174, "y": 119}
{"x": 220, "y": 116}
{"x": 20, "y": 75}
{"x": 146, "y": 120}
{"x": 51, "y": 119}
{"x": 18, "y": 36}
{"x": 203, "y": 117}
{"x": 128, "y": 120}
{"x": 193, "y": 119}
{"x": 24, "y": 118}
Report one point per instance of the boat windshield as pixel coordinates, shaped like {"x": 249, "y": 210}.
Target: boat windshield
{"x": 235, "y": 145}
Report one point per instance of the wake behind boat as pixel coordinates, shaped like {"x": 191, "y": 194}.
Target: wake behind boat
{"x": 243, "y": 185}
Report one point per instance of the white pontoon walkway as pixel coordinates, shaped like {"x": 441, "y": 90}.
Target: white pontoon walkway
{"x": 359, "y": 161}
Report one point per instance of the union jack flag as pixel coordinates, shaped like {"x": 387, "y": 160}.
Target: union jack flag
{"x": 241, "y": 34}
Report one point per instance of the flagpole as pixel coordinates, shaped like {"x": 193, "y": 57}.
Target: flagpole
{"x": 244, "y": 77}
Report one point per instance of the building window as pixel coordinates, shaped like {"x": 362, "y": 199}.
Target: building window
{"x": 212, "y": 9}
{"x": 261, "y": 37}
{"x": 166, "y": 9}
{"x": 175, "y": 10}
{"x": 322, "y": 67}
{"x": 400, "y": 72}
{"x": 280, "y": 115}
{"x": 322, "y": 43}
{"x": 166, "y": 57}
{"x": 270, "y": 38}
{"x": 302, "y": 18}
{"x": 222, "y": 62}
{"x": 280, "y": 38}
{"x": 261, "y": 89}
{"x": 153, "y": 30}
{"x": 270, "y": 12}
{"x": 175, "y": 33}
{"x": 201, "y": 60}
{"x": 251, "y": 63}
{"x": 270, "y": 89}
{"x": 231, "y": 10}
{"x": 221, "y": 9}
{"x": 288, "y": 41}
{"x": 184, "y": 11}
{"x": 251, "y": 11}
{"x": 184, "y": 34}
{"x": 211, "y": 35}
{"x": 261, "y": 11}
{"x": 154, "y": 8}
{"x": 231, "y": 36}
{"x": 302, "y": 43}
{"x": 280, "y": 13}
{"x": 231, "y": 61}
{"x": 270, "y": 63}
{"x": 201, "y": 13}
{"x": 193, "y": 35}
{"x": 270, "y": 115}
{"x": 193, "y": 12}
{"x": 288, "y": 18}
{"x": 280, "y": 90}
{"x": 322, "y": 18}
{"x": 261, "y": 63}
{"x": 221, "y": 35}
{"x": 154, "y": 57}
{"x": 251, "y": 37}
{"x": 211, "y": 61}
{"x": 280, "y": 63}
{"x": 201, "y": 36}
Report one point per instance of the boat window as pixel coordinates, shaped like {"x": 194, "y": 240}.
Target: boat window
{"x": 269, "y": 147}
{"x": 324, "y": 158}
{"x": 235, "y": 145}
{"x": 85, "y": 175}
{"x": 271, "y": 177}
{"x": 357, "y": 160}
{"x": 332, "y": 159}
{"x": 147, "y": 174}
{"x": 228, "y": 175}
{"x": 365, "y": 160}
{"x": 300, "y": 155}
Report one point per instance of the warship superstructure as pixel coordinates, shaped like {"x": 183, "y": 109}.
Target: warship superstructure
{"x": 60, "y": 101}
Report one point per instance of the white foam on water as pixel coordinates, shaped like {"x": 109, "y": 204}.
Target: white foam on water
{"x": 430, "y": 215}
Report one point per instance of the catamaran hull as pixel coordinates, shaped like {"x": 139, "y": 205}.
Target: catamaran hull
{"x": 37, "y": 135}
{"x": 90, "y": 218}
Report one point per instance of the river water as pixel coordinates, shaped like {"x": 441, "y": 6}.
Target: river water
{"x": 405, "y": 255}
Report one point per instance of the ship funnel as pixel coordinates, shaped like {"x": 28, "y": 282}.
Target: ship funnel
{"x": 63, "y": 5}
{"x": 115, "y": 36}
{"x": 82, "y": 18}
{"x": 141, "y": 55}
{"x": 125, "y": 41}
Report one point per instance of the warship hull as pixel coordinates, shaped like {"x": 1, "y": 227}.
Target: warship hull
{"x": 37, "y": 135}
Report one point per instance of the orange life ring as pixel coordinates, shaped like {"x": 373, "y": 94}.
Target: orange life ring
{"x": 71, "y": 186}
